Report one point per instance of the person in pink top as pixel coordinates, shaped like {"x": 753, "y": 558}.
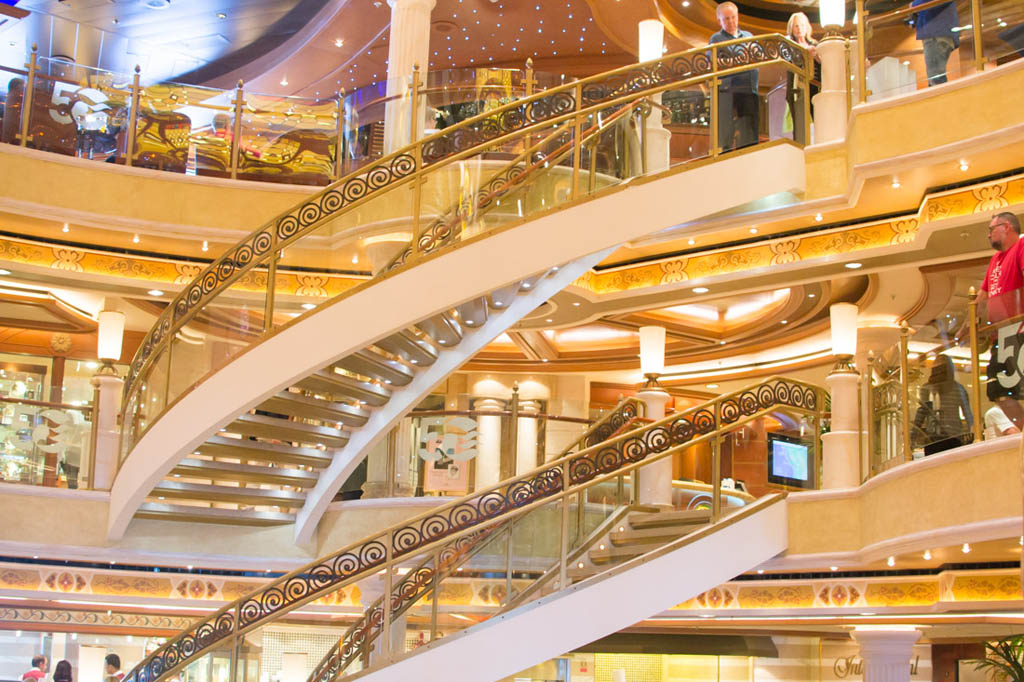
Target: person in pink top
{"x": 38, "y": 671}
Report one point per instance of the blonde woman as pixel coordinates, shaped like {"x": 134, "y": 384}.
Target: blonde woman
{"x": 799, "y": 31}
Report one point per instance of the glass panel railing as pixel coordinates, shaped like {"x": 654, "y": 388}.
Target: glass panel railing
{"x": 886, "y": 410}
{"x": 12, "y": 93}
{"x": 181, "y": 128}
{"x": 1002, "y": 30}
{"x": 47, "y": 444}
{"x": 510, "y": 164}
{"x": 998, "y": 351}
{"x": 79, "y": 111}
{"x": 288, "y": 139}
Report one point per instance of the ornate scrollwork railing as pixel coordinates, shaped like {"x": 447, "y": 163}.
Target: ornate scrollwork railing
{"x": 477, "y": 512}
{"x": 253, "y": 259}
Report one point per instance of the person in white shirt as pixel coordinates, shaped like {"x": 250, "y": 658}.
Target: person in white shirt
{"x": 996, "y": 422}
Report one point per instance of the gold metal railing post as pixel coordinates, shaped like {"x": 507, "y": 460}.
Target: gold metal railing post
{"x": 268, "y": 309}
{"x": 643, "y": 141}
{"x": 90, "y": 470}
{"x": 716, "y": 466}
{"x": 26, "y": 98}
{"x": 713, "y": 109}
{"x": 870, "y": 399}
{"x": 563, "y": 547}
{"x": 436, "y": 590}
{"x": 862, "y": 83}
{"x": 339, "y": 145}
{"x": 236, "y": 645}
{"x": 236, "y": 129}
{"x": 972, "y": 316}
{"x": 908, "y": 454}
{"x": 808, "y": 77}
{"x": 816, "y": 439}
{"x": 979, "y": 48}
{"x": 390, "y": 466}
{"x": 577, "y": 144}
{"x": 528, "y": 81}
{"x": 389, "y": 580}
{"x": 508, "y": 565}
{"x": 417, "y": 184}
{"x": 849, "y": 83}
{"x": 133, "y": 117}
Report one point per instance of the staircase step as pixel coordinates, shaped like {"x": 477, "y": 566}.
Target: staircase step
{"x": 473, "y": 313}
{"x": 613, "y": 553}
{"x": 191, "y": 514}
{"x": 405, "y": 345}
{"x": 244, "y": 473}
{"x": 262, "y": 426}
{"x": 259, "y": 451}
{"x": 178, "y": 490}
{"x": 502, "y": 298}
{"x": 647, "y": 535}
{"x": 443, "y": 329}
{"x": 342, "y": 386}
{"x": 308, "y": 407}
{"x": 670, "y": 518}
{"x": 374, "y": 365}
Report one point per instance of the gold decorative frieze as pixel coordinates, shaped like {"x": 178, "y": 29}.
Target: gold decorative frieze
{"x": 66, "y": 618}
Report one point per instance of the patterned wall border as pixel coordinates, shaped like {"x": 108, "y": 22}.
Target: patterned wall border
{"x": 981, "y": 198}
{"x": 14, "y": 617}
{"x": 916, "y": 591}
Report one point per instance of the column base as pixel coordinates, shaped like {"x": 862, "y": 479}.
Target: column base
{"x": 840, "y": 460}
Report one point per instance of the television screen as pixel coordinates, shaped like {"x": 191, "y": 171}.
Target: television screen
{"x": 789, "y": 462}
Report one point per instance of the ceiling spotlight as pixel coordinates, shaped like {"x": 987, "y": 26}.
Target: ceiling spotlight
{"x": 221, "y": 15}
{"x": 833, "y": 568}
{"x": 691, "y": 241}
{"x": 963, "y": 164}
{"x": 65, "y": 229}
{"x": 760, "y": 571}
{"x": 711, "y": 386}
{"x": 753, "y": 230}
{"x": 155, "y": 292}
{"x": 891, "y": 561}
{"x": 784, "y": 322}
{"x": 927, "y": 555}
{"x": 686, "y": 3}
{"x": 543, "y": 359}
{"x": 206, "y": 247}
{"x": 355, "y": 258}
{"x": 895, "y": 182}
{"x": 338, "y": 42}
{"x": 700, "y": 290}
{"x": 966, "y": 549}
{"x": 853, "y": 266}
{"x": 576, "y": 304}
{"x": 135, "y": 239}
{"x": 817, "y": 218}
{"x": 549, "y": 320}
{"x": 284, "y": 81}
{"x": 308, "y": 306}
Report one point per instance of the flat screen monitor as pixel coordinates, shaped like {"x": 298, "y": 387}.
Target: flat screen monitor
{"x": 790, "y": 462}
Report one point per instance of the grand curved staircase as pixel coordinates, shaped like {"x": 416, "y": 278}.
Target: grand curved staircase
{"x": 500, "y": 212}
{"x": 528, "y": 532}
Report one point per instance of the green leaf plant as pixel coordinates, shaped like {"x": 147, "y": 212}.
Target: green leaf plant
{"x": 1004, "y": 660}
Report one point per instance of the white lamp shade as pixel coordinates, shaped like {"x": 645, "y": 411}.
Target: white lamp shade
{"x": 110, "y": 334}
{"x": 843, "y": 319}
{"x": 652, "y": 39}
{"x": 652, "y": 350}
{"x": 832, "y": 12}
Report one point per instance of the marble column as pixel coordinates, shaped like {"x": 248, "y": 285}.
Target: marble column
{"x": 651, "y": 46}
{"x": 488, "y": 458}
{"x": 886, "y": 653}
{"x": 840, "y": 447}
{"x": 654, "y": 486}
{"x": 830, "y": 108}
{"x": 526, "y": 441}
{"x": 104, "y": 423}
{"x": 408, "y": 46}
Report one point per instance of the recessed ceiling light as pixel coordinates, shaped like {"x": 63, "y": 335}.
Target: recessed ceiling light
{"x": 576, "y": 304}
{"x": 833, "y": 568}
{"x": 963, "y": 164}
{"x": 691, "y": 242}
{"x": 785, "y": 322}
{"x": 753, "y": 230}
{"x": 543, "y": 359}
{"x": 853, "y": 266}
{"x": 927, "y": 555}
{"x": 4, "y": 272}
{"x": 222, "y": 15}
{"x": 135, "y": 239}
{"x": 355, "y": 258}
{"x": 686, "y": 3}
{"x": 338, "y": 42}
{"x": 155, "y": 292}
{"x": 284, "y": 81}
{"x": 700, "y": 290}
{"x": 891, "y": 561}
{"x": 549, "y": 320}
{"x": 309, "y": 306}
{"x": 205, "y": 247}
{"x": 895, "y": 182}
{"x": 711, "y": 386}
{"x": 966, "y": 549}
{"x": 817, "y": 218}
{"x": 811, "y": 295}
{"x": 65, "y": 229}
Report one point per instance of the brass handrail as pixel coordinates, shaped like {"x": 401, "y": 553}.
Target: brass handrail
{"x": 508, "y": 122}
{"x": 420, "y": 579}
{"x": 554, "y": 481}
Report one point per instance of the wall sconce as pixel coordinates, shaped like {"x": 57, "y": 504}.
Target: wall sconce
{"x": 110, "y": 334}
{"x": 652, "y": 355}
{"x": 843, "y": 322}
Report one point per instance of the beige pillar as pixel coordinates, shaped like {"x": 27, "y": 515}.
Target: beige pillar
{"x": 488, "y": 458}
{"x": 651, "y": 40}
{"x": 886, "y": 653}
{"x": 104, "y": 424}
{"x": 526, "y": 441}
{"x": 830, "y": 108}
{"x": 408, "y": 45}
{"x": 654, "y": 486}
{"x": 841, "y": 445}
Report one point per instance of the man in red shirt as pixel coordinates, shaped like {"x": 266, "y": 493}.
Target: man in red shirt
{"x": 38, "y": 671}
{"x": 1002, "y": 287}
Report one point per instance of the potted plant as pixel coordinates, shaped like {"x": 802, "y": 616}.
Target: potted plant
{"x": 1004, "y": 660}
